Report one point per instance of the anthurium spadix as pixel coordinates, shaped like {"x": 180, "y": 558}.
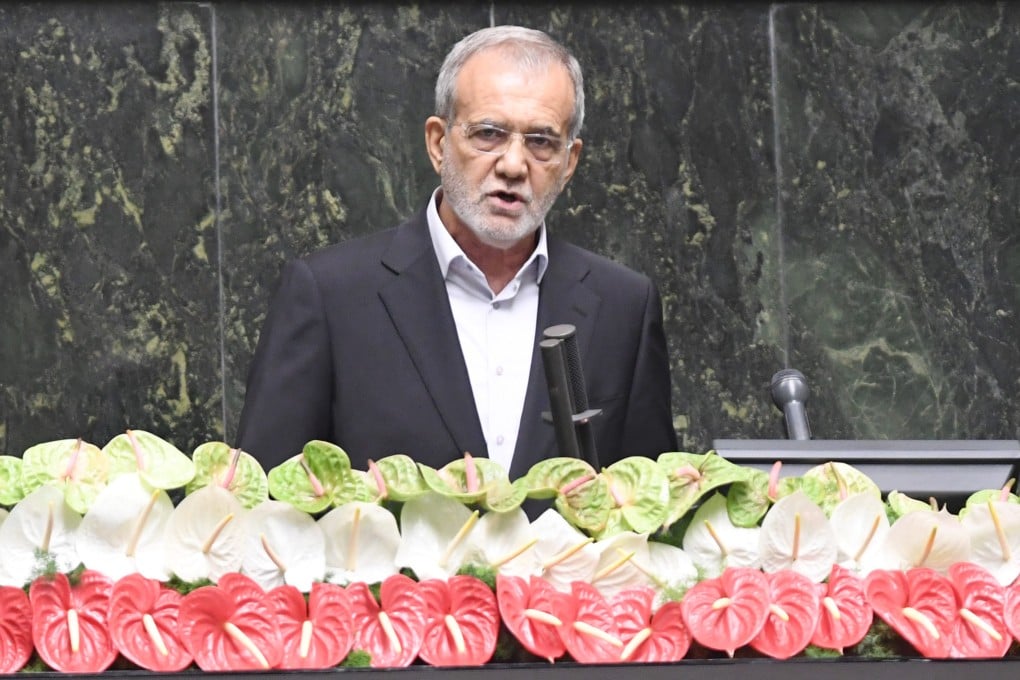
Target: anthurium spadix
{"x": 39, "y": 533}
{"x": 619, "y": 559}
{"x": 436, "y": 536}
{"x": 78, "y": 468}
{"x": 926, "y": 538}
{"x": 505, "y": 542}
{"x": 203, "y": 537}
{"x": 361, "y": 543}
{"x": 796, "y": 535}
{"x": 994, "y": 529}
{"x": 122, "y": 533}
{"x": 860, "y": 525}
{"x": 282, "y": 546}
{"x": 714, "y": 543}
{"x": 158, "y": 462}
{"x": 565, "y": 554}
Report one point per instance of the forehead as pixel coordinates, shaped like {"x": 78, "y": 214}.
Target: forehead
{"x": 493, "y": 86}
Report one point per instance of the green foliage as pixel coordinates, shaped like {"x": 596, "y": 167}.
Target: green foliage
{"x": 358, "y": 658}
{"x": 185, "y": 587}
{"x": 484, "y": 573}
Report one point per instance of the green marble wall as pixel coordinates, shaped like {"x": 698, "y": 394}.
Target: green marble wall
{"x": 832, "y": 186}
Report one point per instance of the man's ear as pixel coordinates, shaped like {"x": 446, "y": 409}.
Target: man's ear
{"x": 435, "y": 134}
{"x": 572, "y": 159}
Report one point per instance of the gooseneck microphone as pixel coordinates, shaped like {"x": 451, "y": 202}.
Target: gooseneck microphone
{"x": 790, "y": 391}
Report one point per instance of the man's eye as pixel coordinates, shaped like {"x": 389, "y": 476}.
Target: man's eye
{"x": 489, "y": 134}
{"x": 542, "y": 142}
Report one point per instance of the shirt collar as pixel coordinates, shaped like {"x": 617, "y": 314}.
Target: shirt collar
{"x": 447, "y": 250}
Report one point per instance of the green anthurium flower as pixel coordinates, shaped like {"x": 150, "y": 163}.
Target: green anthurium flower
{"x": 586, "y": 503}
{"x": 504, "y": 496}
{"x": 401, "y": 479}
{"x": 691, "y": 476}
{"x": 216, "y": 463}
{"x": 292, "y": 482}
{"x": 901, "y": 504}
{"x": 837, "y": 482}
{"x": 811, "y": 487}
{"x": 466, "y": 479}
{"x": 546, "y": 478}
{"x": 78, "y": 468}
{"x": 320, "y": 477}
{"x": 748, "y": 500}
{"x": 978, "y": 498}
{"x": 640, "y": 492}
{"x": 11, "y": 490}
{"x": 159, "y": 463}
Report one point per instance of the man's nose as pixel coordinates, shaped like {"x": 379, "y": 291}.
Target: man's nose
{"x": 514, "y": 161}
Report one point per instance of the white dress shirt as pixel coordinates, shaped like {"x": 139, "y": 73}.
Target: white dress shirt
{"x": 496, "y": 332}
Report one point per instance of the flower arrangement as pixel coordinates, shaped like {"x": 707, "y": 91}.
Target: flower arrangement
{"x": 136, "y": 555}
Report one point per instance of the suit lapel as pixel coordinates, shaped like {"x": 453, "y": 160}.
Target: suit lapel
{"x": 419, "y": 307}
{"x": 564, "y": 298}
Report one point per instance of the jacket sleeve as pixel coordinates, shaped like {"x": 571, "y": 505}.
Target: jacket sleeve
{"x": 289, "y": 390}
{"x": 648, "y": 426}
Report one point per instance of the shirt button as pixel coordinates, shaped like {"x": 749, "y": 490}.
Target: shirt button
{"x": 499, "y": 440}
{"x": 499, "y": 370}
{"x": 495, "y": 305}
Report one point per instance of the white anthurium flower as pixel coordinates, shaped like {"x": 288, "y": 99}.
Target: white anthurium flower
{"x": 507, "y": 543}
{"x": 926, "y": 539}
{"x": 994, "y": 529}
{"x": 39, "y": 523}
{"x": 670, "y": 569}
{"x": 435, "y": 536}
{"x": 796, "y": 534}
{"x": 860, "y": 525}
{"x": 203, "y": 538}
{"x": 361, "y": 543}
{"x": 564, "y": 554}
{"x": 623, "y": 563}
{"x": 282, "y": 545}
{"x": 714, "y": 542}
{"x": 122, "y": 532}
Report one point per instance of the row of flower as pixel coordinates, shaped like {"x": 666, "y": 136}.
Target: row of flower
{"x": 84, "y": 625}
{"x": 662, "y": 527}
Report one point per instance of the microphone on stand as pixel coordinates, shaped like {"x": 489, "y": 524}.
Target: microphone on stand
{"x": 789, "y": 392}
{"x": 568, "y": 397}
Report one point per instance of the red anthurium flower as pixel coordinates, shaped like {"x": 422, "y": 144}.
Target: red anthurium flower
{"x": 392, "y": 629}
{"x": 589, "y": 627}
{"x": 793, "y": 615}
{"x": 69, "y": 626}
{"x": 1011, "y": 609}
{"x": 462, "y": 622}
{"x": 318, "y": 634}
{"x": 527, "y": 611}
{"x": 143, "y": 624}
{"x": 649, "y": 637}
{"x": 980, "y": 630}
{"x": 919, "y": 604}
{"x": 15, "y": 629}
{"x": 727, "y": 612}
{"x": 226, "y": 627}
{"x": 845, "y": 615}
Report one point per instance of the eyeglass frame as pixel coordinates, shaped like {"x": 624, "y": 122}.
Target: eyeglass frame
{"x": 511, "y": 135}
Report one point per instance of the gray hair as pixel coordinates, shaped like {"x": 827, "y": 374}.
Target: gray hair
{"x": 530, "y": 49}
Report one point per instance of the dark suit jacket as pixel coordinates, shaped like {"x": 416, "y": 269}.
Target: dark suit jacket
{"x": 360, "y": 348}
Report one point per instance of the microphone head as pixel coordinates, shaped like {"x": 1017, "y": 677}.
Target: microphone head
{"x": 789, "y": 385}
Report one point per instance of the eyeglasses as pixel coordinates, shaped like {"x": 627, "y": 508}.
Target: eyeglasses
{"x": 492, "y": 139}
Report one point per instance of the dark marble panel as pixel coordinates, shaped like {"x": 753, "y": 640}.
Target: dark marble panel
{"x": 676, "y": 181}
{"x": 900, "y": 134}
{"x": 322, "y": 116}
{"x": 108, "y": 282}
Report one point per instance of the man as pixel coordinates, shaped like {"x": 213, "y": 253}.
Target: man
{"x": 421, "y": 340}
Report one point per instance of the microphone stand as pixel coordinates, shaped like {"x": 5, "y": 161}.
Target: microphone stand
{"x": 568, "y": 397}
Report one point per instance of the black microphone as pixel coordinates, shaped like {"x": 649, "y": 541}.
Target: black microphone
{"x": 790, "y": 391}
